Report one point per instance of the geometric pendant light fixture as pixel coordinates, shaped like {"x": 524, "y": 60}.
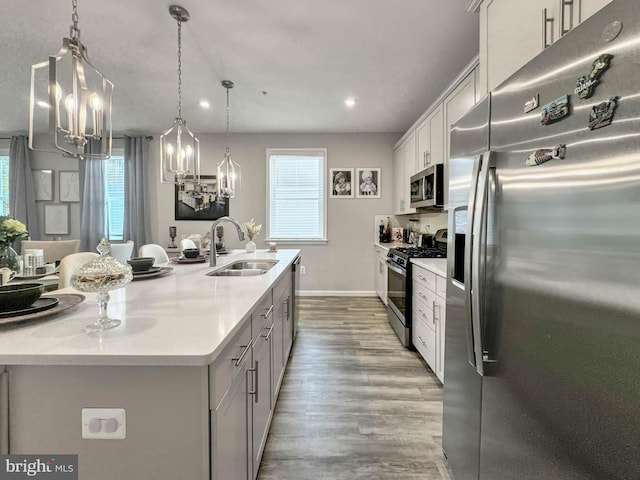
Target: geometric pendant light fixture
{"x": 179, "y": 147}
{"x": 228, "y": 171}
{"x": 71, "y": 101}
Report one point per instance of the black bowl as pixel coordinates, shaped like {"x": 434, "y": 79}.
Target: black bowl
{"x": 19, "y": 296}
{"x": 141, "y": 264}
{"x": 191, "y": 252}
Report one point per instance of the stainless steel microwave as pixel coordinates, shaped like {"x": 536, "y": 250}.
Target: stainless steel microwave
{"x": 427, "y": 187}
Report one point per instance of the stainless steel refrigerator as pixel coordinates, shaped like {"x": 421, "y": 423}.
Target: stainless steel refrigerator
{"x": 542, "y": 352}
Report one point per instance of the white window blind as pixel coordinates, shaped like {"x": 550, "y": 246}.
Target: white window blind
{"x": 296, "y": 194}
{"x": 113, "y": 177}
{"x": 4, "y": 185}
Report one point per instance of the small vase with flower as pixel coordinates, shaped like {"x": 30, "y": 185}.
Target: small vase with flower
{"x": 252, "y": 230}
{"x": 10, "y": 230}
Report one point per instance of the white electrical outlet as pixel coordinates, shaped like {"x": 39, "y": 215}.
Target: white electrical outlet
{"x": 104, "y": 423}
{"x": 303, "y": 270}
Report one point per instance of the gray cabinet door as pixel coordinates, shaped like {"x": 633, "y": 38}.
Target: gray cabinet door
{"x": 230, "y": 439}
{"x": 277, "y": 367}
{"x": 287, "y": 328}
{"x": 261, "y": 386}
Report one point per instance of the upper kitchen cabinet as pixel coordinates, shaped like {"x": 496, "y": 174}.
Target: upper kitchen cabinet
{"x": 403, "y": 164}
{"x": 430, "y": 138}
{"x": 512, "y": 32}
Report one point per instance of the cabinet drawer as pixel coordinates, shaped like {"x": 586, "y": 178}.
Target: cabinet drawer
{"x": 224, "y": 369}
{"x": 424, "y": 277}
{"x": 262, "y": 317}
{"x": 283, "y": 285}
{"x": 424, "y": 340}
{"x": 424, "y": 312}
{"x": 441, "y": 286}
{"x": 422, "y": 292}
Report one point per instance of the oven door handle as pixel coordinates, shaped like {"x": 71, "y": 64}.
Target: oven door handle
{"x": 399, "y": 270}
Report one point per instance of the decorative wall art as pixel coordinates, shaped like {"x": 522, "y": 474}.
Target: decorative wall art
{"x": 368, "y": 182}
{"x": 200, "y": 202}
{"x": 43, "y": 184}
{"x": 56, "y": 219}
{"x": 69, "y": 185}
{"x": 341, "y": 182}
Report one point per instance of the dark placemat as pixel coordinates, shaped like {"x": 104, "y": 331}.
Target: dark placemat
{"x": 65, "y": 302}
{"x": 144, "y": 276}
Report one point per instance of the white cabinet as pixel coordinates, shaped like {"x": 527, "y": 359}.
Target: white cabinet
{"x": 429, "y": 317}
{"x": 231, "y": 418}
{"x": 512, "y": 32}
{"x": 403, "y": 165}
{"x": 455, "y": 105}
{"x": 282, "y": 331}
{"x": 430, "y": 140}
{"x": 381, "y": 273}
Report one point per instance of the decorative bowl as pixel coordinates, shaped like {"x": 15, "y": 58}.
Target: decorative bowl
{"x": 191, "y": 252}
{"x": 19, "y": 296}
{"x": 141, "y": 264}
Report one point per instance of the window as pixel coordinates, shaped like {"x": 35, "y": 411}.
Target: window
{"x": 4, "y": 185}
{"x": 297, "y": 200}
{"x": 113, "y": 176}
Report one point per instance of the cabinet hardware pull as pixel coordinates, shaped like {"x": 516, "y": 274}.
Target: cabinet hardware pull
{"x": 434, "y": 313}
{"x": 266, "y": 337}
{"x": 422, "y": 341}
{"x": 545, "y": 21}
{"x": 269, "y": 312}
{"x": 243, "y": 354}
{"x": 254, "y": 392}
{"x": 563, "y": 4}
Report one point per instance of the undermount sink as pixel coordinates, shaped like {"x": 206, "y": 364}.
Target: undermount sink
{"x": 244, "y": 268}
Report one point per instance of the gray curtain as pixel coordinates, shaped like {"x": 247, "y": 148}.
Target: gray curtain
{"x": 91, "y": 202}
{"x": 22, "y": 202}
{"x": 136, "y": 222}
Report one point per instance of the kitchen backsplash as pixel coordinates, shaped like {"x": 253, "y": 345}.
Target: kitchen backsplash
{"x": 428, "y": 223}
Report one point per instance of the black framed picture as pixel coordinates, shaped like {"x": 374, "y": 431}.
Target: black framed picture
{"x": 200, "y": 201}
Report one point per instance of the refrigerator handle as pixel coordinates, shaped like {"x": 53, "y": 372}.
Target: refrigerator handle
{"x": 471, "y": 356}
{"x": 478, "y": 259}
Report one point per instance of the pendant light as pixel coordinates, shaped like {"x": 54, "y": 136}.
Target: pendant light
{"x": 71, "y": 100}
{"x": 228, "y": 171}
{"x": 179, "y": 147}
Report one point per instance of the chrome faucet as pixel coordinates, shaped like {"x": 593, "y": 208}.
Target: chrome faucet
{"x": 212, "y": 255}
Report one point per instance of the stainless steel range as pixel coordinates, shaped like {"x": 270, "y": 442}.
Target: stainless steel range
{"x": 399, "y": 285}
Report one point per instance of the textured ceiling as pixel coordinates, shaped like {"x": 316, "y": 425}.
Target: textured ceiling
{"x": 293, "y": 61}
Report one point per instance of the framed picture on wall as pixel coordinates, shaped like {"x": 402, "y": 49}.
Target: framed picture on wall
{"x": 368, "y": 182}
{"x": 69, "y": 185}
{"x": 341, "y": 182}
{"x": 195, "y": 201}
{"x": 43, "y": 184}
{"x": 56, "y": 219}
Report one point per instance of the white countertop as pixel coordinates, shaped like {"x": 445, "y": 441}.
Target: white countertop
{"x": 181, "y": 318}
{"x": 435, "y": 265}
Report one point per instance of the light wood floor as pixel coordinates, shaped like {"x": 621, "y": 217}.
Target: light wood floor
{"x": 354, "y": 403}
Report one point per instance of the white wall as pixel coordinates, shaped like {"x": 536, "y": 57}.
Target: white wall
{"x": 346, "y": 263}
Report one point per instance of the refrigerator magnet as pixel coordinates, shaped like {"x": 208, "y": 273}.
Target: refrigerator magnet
{"x": 532, "y": 104}
{"x": 586, "y": 84}
{"x": 602, "y": 114}
{"x": 556, "y": 110}
{"x": 545, "y": 154}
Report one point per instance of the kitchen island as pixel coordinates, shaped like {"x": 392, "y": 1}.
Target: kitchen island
{"x": 188, "y": 344}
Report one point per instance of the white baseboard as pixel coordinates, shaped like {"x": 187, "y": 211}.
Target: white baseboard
{"x": 338, "y": 293}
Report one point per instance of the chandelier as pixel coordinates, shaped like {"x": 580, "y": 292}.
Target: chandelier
{"x": 228, "y": 172}
{"x": 71, "y": 100}
{"x": 179, "y": 147}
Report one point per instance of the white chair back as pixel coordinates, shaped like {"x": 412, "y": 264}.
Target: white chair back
{"x": 187, "y": 243}
{"x": 70, "y": 264}
{"x": 155, "y": 251}
{"x": 52, "y": 249}
{"x": 122, "y": 251}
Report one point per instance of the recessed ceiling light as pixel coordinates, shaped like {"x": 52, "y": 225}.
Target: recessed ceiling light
{"x": 204, "y": 103}
{"x": 350, "y": 101}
